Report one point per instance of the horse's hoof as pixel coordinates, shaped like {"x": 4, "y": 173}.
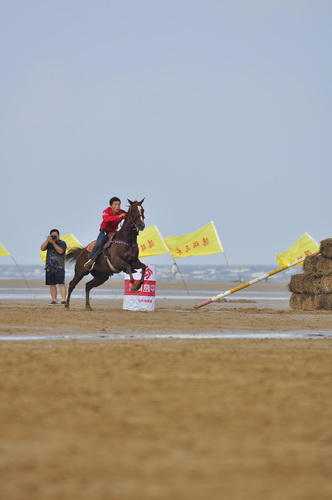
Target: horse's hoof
{"x": 133, "y": 288}
{"x": 88, "y": 308}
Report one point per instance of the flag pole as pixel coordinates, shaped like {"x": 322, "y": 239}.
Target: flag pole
{"x": 5, "y": 253}
{"x": 229, "y": 269}
{"x": 249, "y": 283}
{"x": 181, "y": 276}
{"x": 223, "y": 251}
{"x": 22, "y": 274}
{"x": 175, "y": 263}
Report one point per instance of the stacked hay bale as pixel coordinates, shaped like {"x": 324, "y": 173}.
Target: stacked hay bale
{"x": 312, "y": 290}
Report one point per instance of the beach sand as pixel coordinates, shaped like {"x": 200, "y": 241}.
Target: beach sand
{"x": 172, "y": 418}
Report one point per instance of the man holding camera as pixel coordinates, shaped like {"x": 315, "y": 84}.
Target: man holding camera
{"x": 55, "y": 265}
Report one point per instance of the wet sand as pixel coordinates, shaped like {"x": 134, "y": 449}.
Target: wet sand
{"x": 164, "y": 419}
{"x": 172, "y": 314}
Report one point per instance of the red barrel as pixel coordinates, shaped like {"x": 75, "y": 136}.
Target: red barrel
{"x": 144, "y": 299}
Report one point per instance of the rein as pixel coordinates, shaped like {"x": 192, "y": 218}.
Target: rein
{"x": 125, "y": 243}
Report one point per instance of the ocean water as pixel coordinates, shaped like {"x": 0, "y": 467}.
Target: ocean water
{"x": 185, "y": 274}
{"x": 241, "y": 273}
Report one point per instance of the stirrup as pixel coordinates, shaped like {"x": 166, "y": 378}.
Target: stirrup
{"x": 90, "y": 264}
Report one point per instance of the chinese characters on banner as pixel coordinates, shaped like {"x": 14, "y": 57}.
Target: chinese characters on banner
{"x": 203, "y": 241}
{"x": 150, "y": 242}
{"x": 302, "y": 247}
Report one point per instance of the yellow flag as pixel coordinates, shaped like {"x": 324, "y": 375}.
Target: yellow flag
{"x": 70, "y": 239}
{"x": 302, "y": 247}
{"x": 203, "y": 241}
{"x": 3, "y": 251}
{"x": 150, "y": 242}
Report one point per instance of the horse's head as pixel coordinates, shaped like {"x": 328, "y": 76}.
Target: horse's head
{"x": 135, "y": 215}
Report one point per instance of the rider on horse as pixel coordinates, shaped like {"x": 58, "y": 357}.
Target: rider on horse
{"x": 112, "y": 216}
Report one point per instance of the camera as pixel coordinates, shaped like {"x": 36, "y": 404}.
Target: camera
{"x": 53, "y": 236}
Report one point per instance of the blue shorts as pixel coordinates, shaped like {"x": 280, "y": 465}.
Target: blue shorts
{"x": 55, "y": 278}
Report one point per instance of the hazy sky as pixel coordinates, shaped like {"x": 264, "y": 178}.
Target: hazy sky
{"x": 211, "y": 110}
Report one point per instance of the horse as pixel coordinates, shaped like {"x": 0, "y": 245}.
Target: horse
{"x": 119, "y": 254}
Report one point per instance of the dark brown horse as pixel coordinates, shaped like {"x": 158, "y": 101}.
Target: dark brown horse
{"x": 120, "y": 255}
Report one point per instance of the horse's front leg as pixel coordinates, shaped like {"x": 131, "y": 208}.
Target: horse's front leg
{"x": 139, "y": 265}
{"x": 127, "y": 268}
{"x": 136, "y": 286}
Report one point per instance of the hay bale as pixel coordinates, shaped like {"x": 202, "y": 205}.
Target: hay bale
{"x": 324, "y": 284}
{"x": 324, "y": 266}
{"x": 312, "y": 290}
{"x": 305, "y": 301}
{"x": 317, "y": 265}
{"x": 310, "y": 265}
{"x": 326, "y": 301}
{"x": 301, "y": 283}
{"x": 311, "y": 301}
{"x": 326, "y": 248}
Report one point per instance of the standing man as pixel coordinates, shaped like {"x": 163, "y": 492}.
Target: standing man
{"x": 111, "y": 218}
{"x": 55, "y": 265}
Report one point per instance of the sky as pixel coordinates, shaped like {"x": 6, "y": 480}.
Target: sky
{"x": 212, "y": 110}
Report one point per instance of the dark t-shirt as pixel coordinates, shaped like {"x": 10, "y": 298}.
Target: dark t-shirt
{"x": 55, "y": 260}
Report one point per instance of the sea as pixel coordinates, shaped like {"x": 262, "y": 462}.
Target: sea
{"x": 26, "y": 274}
{"x": 240, "y": 273}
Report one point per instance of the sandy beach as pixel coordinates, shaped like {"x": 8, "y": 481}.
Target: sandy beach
{"x": 160, "y": 418}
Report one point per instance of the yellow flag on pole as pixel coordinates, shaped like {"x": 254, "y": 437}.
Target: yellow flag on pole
{"x": 72, "y": 242}
{"x": 3, "y": 251}
{"x": 150, "y": 242}
{"x": 302, "y": 247}
{"x": 203, "y": 241}
{"x": 70, "y": 239}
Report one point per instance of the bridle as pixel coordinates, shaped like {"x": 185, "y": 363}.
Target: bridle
{"x": 133, "y": 223}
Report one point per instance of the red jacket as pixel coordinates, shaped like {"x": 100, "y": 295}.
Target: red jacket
{"x": 110, "y": 221}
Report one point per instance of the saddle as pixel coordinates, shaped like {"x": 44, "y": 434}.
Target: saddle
{"x": 108, "y": 243}
{"x": 90, "y": 246}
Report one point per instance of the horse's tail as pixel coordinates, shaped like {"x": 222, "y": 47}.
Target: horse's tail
{"x": 74, "y": 254}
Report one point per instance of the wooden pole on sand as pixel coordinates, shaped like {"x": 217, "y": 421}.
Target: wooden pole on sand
{"x": 252, "y": 282}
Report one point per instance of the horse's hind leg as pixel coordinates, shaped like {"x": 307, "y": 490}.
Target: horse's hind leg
{"x": 98, "y": 279}
{"x": 77, "y": 278}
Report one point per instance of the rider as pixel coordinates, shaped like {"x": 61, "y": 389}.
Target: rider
{"x": 112, "y": 216}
